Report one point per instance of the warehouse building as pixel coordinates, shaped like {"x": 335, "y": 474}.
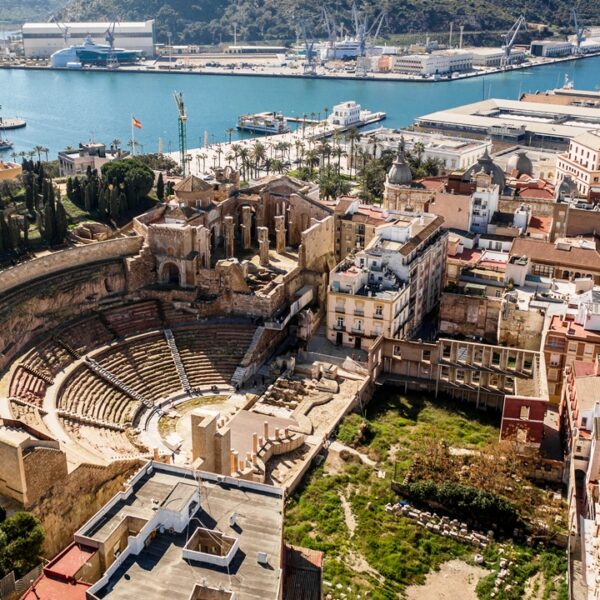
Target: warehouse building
{"x": 40, "y": 40}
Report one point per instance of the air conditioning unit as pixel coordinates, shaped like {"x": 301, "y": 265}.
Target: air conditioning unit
{"x": 220, "y": 479}
{"x": 262, "y": 558}
{"x": 233, "y": 520}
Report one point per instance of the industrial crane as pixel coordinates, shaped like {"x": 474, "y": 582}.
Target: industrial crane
{"x": 310, "y": 67}
{"x": 579, "y": 31}
{"x": 510, "y": 37}
{"x": 109, "y": 35}
{"x": 330, "y": 25}
{"x": 182, "y": 127}
{"x": 64, "y": 29}
{"x": 362, "y": 29}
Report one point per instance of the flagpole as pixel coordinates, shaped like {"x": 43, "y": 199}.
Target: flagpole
{"x": 132, "y": 137}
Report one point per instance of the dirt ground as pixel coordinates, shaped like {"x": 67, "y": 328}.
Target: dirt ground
{"x": 456, "y": 580}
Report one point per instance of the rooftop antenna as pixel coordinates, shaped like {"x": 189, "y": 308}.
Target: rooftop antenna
{"x": 182, "y": 126}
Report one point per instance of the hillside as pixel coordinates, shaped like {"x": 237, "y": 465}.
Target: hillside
{"x": 210, "y": 21}
{"x": 18, "y": 11}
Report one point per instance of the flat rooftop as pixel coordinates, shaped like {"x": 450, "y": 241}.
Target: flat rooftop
{"x": 159, "y": 571}
{"x": 550, "y": 120}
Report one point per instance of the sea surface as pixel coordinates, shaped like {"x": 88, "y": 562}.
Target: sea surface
{"x": 63, "y": 108}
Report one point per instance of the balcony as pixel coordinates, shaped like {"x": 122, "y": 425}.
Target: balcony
{"x": 358, "y": 331}
{"x": 359, "y": 312}
{"x": 340, "y": 309}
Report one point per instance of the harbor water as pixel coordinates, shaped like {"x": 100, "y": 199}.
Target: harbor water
{"x": 63, "y": 108}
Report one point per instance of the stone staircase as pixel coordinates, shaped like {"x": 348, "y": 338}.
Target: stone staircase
{"x": 116, "y": 382}
{"x": 38, "y": 373}
{"x": 67, "y": 347}
{"x": 178, "y": 362}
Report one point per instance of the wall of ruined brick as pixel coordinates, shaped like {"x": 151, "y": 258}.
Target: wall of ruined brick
{"x": 29, "y": 310}
{"x": 68, "y": 504}
{"x": 68, "y": 259}
{"x": 471, "y": 316}
{"x": 520, "y": 328}
{"x": 318, "y": 244}
{"x": 11, "y": 480}
{"x": 42, "y": 468}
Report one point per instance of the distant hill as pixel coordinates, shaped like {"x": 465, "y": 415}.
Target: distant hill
{"x": 211, "y": 21}
{"x": 19, "y": 11}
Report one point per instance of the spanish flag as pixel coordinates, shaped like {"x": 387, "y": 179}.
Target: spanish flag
{"x": 137, "y": 124}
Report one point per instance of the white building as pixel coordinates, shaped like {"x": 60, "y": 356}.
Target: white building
{"x": 550, "y": 49}
{"x": 494, "y": 57}
{"x": 581, "y": 163}
{"x": 93, "y": 155}
{"x": 40, "y": 40}
{"x": 346, "y": 113}
{"x": 421, "y": 64}
{"x": 453, "y": 153}
{"x": 458, "y": 60}
{"x": 390, "y": 286}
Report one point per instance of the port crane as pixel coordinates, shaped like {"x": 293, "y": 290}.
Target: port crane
{"x": 64, "y": 30}
{"x": 182, "y": 128}
{"x": 362, "y": 29}
{"x": 330, "y": 26}
{"x": 109, "y": 35}
{"x": 510, "y": 37}
{"x": 310, "y": 66}
{"x": 579, "y": 31}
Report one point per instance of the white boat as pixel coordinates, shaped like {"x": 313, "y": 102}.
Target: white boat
{"x": 270, "y": 123}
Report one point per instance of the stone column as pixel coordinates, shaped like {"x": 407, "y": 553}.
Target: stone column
{"x": 263, "y": 245}
{"x": 246, "y": 227}
{"x": 229, "y": 240}
{"x": 280, "y": 234}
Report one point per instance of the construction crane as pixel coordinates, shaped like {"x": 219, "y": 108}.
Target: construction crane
{"x": 182, "y": 127}
{"x": 329, "y": 22}
{"x": 579, "y": 31}
{"x": 362, "y": 30}
{"x": 510, "y": 37}
{"x": 310, "y": 67}
{"x": 65, "y": 31}
{"x": 109, "y": 35}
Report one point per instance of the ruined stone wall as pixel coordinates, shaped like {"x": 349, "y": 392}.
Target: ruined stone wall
{"x": 520, "y": 328}
{"x": 42, "y": 468}
{"x": 11, "y": 482}
{"x": 539, "y": 208}
{"x": 34, "y": 308}
{"x": 300, "y": 214}
{"x": 68, "y": 259}
{"x": 318, "y": 245}
{"x": 71, "y": 502}
{"x": 471, "y": 316}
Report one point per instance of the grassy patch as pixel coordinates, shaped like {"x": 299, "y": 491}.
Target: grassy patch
{"x": 389, "y": 552}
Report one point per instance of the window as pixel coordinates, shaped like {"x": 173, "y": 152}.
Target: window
{"x": 340, "y": 323}
{"x": 379, "y": 310}
{"x": 572, "y": 348}
{"x": 524, "y": 413}
{"x": 426, "y": 355}
{"x": 398, "y": 351}
{"x": 584, "y": 421}
{"x": 460, "y": 375}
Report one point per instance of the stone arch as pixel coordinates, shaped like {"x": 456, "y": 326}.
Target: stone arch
{"x": 170, "y": 274}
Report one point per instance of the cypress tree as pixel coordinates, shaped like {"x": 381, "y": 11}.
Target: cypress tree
{"x": 123, "y": 204}
{"x": 14, "y": 232}
{"x": 49, "y": 225}
{"x": 87, "y": 195}
{"x": 61, "y": 223}
{"x": 160, "y": 187}
{"x": 114, "y": 202}
{"x": 5, "y": 243}
{"x": 29, "y": 191}
{"x": 70, "y": 189}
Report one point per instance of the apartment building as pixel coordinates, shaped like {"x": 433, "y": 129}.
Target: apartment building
{"x": 582, "y": 163}
{"x": 389, "y": 287}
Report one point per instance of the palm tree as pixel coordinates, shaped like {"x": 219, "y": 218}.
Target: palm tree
{"x": 258, "y": 154}
{"x": 244, "y": 155}
{"x": 229, "y": 132}
{"x": 203, "y": 156}
{"x": 31, "y": 154}
{"x": 45, "y": 151}
{"x": 38, "y": 150}
{"x": 352, "y": 137}
{"x": 14, "y": 156}
{"x": 229, "y": 157}
{"x": 219, "y": 151}
{"x": 22, "y": 155}
{"x": 326, "y": 111}
{"x": 116, "y": 144}
{"x": 235, "y": 148}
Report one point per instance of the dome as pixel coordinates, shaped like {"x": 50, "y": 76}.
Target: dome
{"x": 567, "y": 189}
{"x": 521, "y": 163}
{"x": 400, "y": 173}
{"x": 486, "y": 165}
